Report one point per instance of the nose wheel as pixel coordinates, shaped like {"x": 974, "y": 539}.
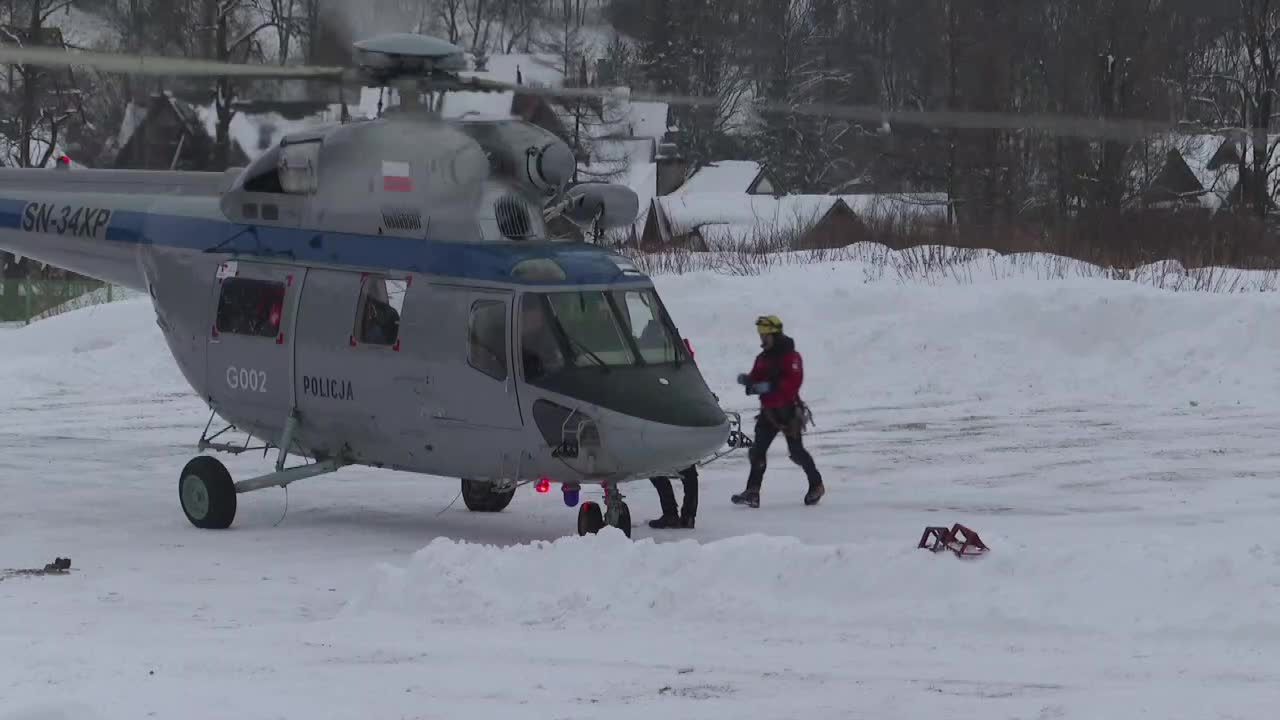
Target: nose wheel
{"x": 592, "y": 520}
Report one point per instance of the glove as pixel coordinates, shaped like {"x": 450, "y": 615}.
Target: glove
{"x": 759, "y": 388}
{"x": 744, "y": 379}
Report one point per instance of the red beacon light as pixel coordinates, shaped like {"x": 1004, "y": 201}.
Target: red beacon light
{"x": 689, "y": 346}
{"x": 543, "y": 487}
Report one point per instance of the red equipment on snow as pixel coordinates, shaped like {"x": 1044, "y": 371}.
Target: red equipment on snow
{"x": 959, "y": 539}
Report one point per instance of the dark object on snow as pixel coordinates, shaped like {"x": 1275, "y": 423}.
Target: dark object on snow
{"x": 59, "y": 566}
{"x": 959, "y": 539}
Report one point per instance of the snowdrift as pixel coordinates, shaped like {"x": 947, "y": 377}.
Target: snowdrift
{"x": 753, "y": 580}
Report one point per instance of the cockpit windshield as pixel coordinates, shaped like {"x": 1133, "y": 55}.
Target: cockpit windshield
{"x": 594, "y": 328}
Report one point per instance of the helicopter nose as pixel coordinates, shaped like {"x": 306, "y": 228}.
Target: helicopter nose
{"x": 679, "y": 447}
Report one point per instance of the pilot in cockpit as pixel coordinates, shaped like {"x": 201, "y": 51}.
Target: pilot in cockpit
{"x": 538, "y": 349}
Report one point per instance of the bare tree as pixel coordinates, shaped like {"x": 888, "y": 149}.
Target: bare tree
{"x": 42, "y": 101}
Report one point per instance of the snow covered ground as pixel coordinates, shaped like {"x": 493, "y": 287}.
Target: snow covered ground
{"x": 1113, "y": 443}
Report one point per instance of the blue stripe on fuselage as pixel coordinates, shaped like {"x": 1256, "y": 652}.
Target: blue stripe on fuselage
{"x": 582, "y": 264}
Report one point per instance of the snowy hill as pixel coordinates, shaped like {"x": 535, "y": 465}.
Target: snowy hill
{"x": 1112, "y": 442}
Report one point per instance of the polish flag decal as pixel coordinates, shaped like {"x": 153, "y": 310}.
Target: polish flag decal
{"x": 396, "y": 177}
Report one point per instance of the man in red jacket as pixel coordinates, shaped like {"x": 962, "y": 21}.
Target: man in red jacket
{"x": 776, "y": 377}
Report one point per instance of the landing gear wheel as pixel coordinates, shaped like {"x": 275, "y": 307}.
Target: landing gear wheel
{"x": 207, "y": 494}
{"x": 590, "y": 519}
{"x": 623, "y": 521}
{"x": 480, "y": 497}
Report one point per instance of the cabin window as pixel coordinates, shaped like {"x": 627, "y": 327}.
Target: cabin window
{"x": 251, "y": 211}
{"x": 381, "y": 303}
{"x": 590, "y": 328}
{"x": 487, "y": 349}
{"x": 250, "y": 307}
{"x": 270, "y": 211}
{"x": 643, "y": 319}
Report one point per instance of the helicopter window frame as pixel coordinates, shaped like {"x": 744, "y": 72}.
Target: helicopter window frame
{"x": 267, "y": 297}
{"x": 391, "y": 296}
{"x": 489, "y": 354}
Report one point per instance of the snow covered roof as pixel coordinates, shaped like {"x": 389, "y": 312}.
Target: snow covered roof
{"x": 695, "y": 209}
{"x": 731, "y": 176}
{"x": 1217, "y": 178}
{"x": 1212, "y": 162}
{"x": 691, "y": 210}
{"x": 726, "y": 218}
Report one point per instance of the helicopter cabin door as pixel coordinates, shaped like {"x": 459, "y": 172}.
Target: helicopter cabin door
{"x": 355, "y": 371}
{"x": 250, "y": 348}
{"x": 471, "y": 401}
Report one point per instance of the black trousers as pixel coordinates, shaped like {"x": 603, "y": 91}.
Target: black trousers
{"x": 768, "y": 424}
{"x": 667, "y": 494}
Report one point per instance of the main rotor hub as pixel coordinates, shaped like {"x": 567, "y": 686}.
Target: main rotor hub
{"x": 386, "y": 58}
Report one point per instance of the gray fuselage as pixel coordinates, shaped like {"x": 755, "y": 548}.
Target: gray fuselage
{"x": 393, "y": 352}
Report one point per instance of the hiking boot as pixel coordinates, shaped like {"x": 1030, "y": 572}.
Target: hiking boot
{"x": 815, "y": 494}
{"x": 666, "y": 522}
{"x": 686, "y": 521}
{"x": 750, "y": 498}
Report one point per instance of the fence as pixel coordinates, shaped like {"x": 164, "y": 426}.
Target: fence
{"x": 26, "y": 300}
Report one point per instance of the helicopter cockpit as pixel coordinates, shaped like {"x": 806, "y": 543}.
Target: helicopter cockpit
{"x": 608, "y": 347}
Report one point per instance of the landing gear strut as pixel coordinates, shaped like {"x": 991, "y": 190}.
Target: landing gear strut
{"x": 616, "y": 513}
{"x": 208, "y": 494}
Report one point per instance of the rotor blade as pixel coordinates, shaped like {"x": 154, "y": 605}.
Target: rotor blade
{"x": 1063, "y": 125}
{"x": 157, "y": 65}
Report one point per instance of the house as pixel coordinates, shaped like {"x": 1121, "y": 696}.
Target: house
{"x": 1201, "y": 172}
{"x": 178, "y": 133}
{"x": 741, "y": 176}
{"x": 167, "y": 133}
{"x": 729, "y": 220}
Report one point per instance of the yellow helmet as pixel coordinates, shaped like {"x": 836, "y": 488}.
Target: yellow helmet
{"x": 769, "y": 325}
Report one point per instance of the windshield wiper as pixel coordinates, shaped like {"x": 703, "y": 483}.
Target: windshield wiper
{"x": 584, "y": 350}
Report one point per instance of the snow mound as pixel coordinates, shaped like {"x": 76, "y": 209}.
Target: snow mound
{"x": 761, "y": 581}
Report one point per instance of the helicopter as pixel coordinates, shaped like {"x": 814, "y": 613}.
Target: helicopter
{"x": 382, "y": 293}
